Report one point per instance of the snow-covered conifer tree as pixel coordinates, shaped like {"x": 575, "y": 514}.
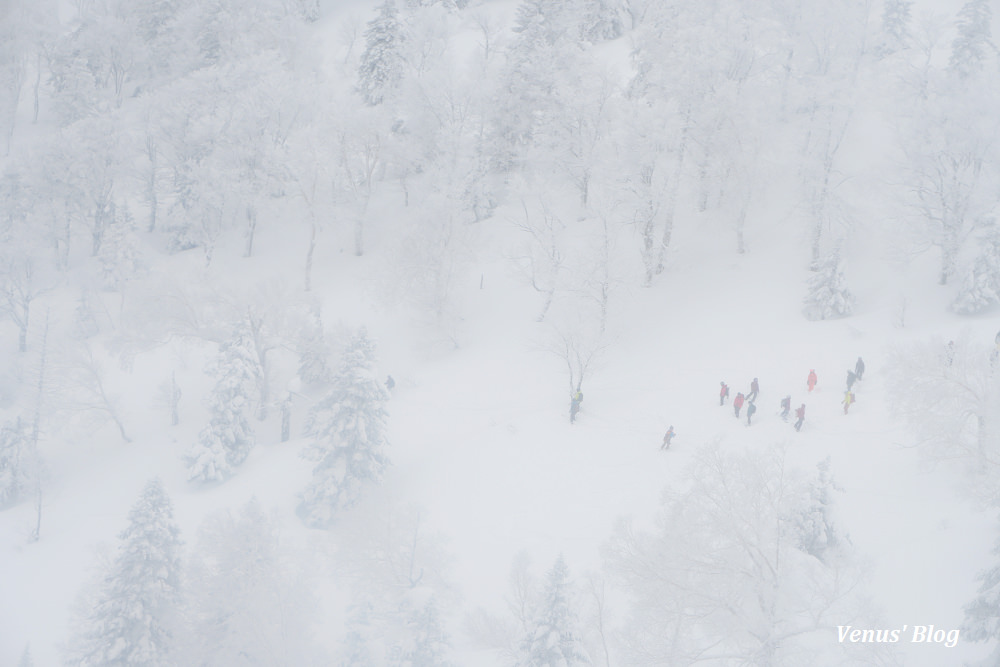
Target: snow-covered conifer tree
{"x": 381, "y": 65}
{"x": 119, "y": 251}
{"x": 26, "y": 659}
{"x": 828, "y": 297}
{"x": 348, "y": 431}
{"x": 250, "y": 597}
{"x": 815, "y": 526}
{"x": 132, "y": 622}
{"x": 895, "y": 26}
{"x": 974, "y": 42}
{"x": 311, "y": 346}
{"x": 553, "y": 640}
{"x": 15, "y": 443}
{"x": 600, "y": 20}
{"x": 429, "y": 645}
{"x": 982, "y": 615}
{"x": 981, "y": 288}
{"x": 228, "y": 438}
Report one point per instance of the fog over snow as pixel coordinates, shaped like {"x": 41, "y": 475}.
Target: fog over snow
{"x": 515, "y": 333}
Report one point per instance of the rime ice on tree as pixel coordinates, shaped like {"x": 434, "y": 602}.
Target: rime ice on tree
{"x": 131, "y": 623}
{"x": 227, "y": 440}
{"x": 828, "y": 296}
{"x": 348, "y": 431}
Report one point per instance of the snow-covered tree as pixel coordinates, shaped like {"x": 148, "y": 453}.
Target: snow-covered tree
{"x": 381, "y": 66}
{"x": 250, "y": 598}
{"x": 949, "y": 397}
{"x": 895, "y": 30}
{"x": 973, "y": 43}
{"x": 135, "y": 618}
{"x": 982, "y": 615}
{"x": 119, "y": 251}
{"x": 553, "y": 639}
{"x": 399, "y": 575}
{"x": 20, "y": 285}
{"x": 347, "y": 428}
{"x": 600, "y": 20}
{"x": 228, "y": 438}
{"x": 16, "y": 453}
{"x": 981, "y": 288}
{"x": 731, "y": 573}
{"x": 828, "y": 297}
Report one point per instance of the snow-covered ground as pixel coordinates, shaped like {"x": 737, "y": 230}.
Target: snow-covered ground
{"x": 481, "y": 445}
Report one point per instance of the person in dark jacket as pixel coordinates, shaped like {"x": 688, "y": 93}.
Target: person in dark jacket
{"x": 754, "y": 390}
{"x": 667, "y": 438}
{"x": 751, "y": 409}
{"x": 786, "y": 407}
{"x": 723, "y": 393}
{"x": 800, "y": 416}
{"x": 859, "y": 368}
{"x": 737, "y": 404}
{"x": 851, "y": 379}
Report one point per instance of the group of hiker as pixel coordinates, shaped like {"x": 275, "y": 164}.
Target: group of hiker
{"x": 749, "y": 399}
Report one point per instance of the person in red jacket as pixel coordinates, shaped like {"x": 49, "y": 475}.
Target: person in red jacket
{"x": 723, "y": 393}
{"x": 800, "y": 416}
{"x": 811, "y": 381}
{"x": 737, "y": 404}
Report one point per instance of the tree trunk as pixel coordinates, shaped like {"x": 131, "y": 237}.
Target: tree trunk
{"x": 151, "y": 185}
{"x": 309, "y": 256}
{"x": 251, "y": 229}
{"x": 38, "y": 83}
{"x": 359, "y": 236}
{"x": 671, "y": 199}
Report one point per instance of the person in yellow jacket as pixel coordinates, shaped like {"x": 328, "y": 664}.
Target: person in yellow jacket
{"x": 848, "y": 399}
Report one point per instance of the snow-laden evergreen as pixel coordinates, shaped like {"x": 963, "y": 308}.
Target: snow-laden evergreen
{"x": 381, "y": 66}
{"x": 973, "y": 45}
{"x": 250, "y": 598}
{"x": 553, "y": 638}
{"x": 828, "y": 296}
{"x": 134, "y": 621}
{"x": 981, "y": 288}
{"x": 348, "y": 432}
{"x": 982, "y": 615}
{"x": 228, "y": 438}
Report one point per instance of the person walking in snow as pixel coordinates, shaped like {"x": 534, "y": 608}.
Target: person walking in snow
{"x": 574, "y": 405}
{"x": 786, "y": 407}
{"x": 800, "y": 416}
{"x": 754, "y": 390}
{"x": 851, "y": 379}
{"x": 737, "y": 404}
{"x": 667, "y": 438}
{"x": 751, "y": 409}
{"x": 723, "y": 393}
{"x": 811, "y": 380}
{"x": 390, "y": 383}
{"x": 859, "y": 368}
{"x": 848, "y": 399}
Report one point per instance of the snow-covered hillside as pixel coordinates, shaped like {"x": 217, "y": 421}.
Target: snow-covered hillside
{"x": 226, "y": 227}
